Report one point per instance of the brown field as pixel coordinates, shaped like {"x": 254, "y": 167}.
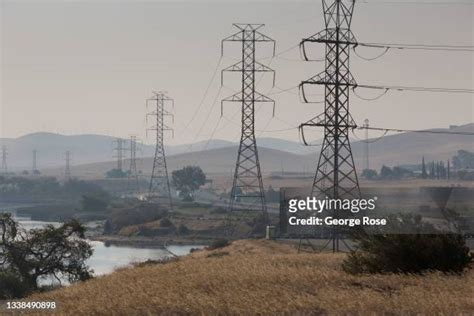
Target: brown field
{"x": 265, "y": 278}
{"x": 224, "y": 182}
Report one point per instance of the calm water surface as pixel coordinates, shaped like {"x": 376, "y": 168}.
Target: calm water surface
{"x": 108, "y": 258}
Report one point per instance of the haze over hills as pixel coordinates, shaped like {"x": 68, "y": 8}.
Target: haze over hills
{"x": 219, "y": 160}
{"x": 88, "y": 149}
{"x": 409, "y": 148}
{"x": 95, "y": 151}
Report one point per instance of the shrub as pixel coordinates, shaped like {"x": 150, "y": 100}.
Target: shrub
{"x": 139, "y": 214}
{"x": 218, "y": 210}
{"x": 259, "y": 225}
{"x": 166, "y": 222}
{"x": 183, "y": 229}
{"x": 218, "y": 243}
{"x": 151, "y": 262}
{"x": 11, "y": 286}
{"x": 413, "y": 253}
{"x": 218, "y": 254}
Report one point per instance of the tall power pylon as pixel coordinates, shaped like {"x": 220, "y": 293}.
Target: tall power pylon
{"x": 133, "y": 183}
{"x": 159, "y": 190}
{"x": 247, "y": 187}
{"x": 34, "y": 167}
{"x": 336, "y": 175}
{"x": 4, "y": 159}
{"x": 67, "y": 168}
{"x": 118, "y": 150}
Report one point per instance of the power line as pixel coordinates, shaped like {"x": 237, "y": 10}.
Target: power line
{"x": 370, "y": 99}
{"x": 414, "y": 131}
{"x": 418, "y": 2}
{"x": 415, "y": 89}
{"x": 264, "y": 130}
{"x": 205, "y": 94}
{"x": 387, "y": 46}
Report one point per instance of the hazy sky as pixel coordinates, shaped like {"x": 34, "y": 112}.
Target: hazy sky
{"x": 76, "y": 67}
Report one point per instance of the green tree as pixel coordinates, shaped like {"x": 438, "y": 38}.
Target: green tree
{"x": 272, "y": 195}
{"x": 416, "y": 247}
{"x": 369, "y": 174}
{"x": 463, "y": 160}
{"x": 116, "y": 173}
{"x": 188, "y": 179}
{"x": 399, "y": 173}
{"x": 386, "y": 172}
{"x": 94, "y": 202}
{"x": 58, "y": 252}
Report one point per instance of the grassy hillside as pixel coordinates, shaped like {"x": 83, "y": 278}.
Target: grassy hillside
{"x": 221, "y": 160}
{"x": 266, "y": 278}
{"x": 408, "y": 148}
{"x": 98, "y": 148}
{"x": 399, "y": 149}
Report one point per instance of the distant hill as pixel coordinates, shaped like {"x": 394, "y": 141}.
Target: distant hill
{"x": 409, "y": 148}
{"x": 88, "y": 149}
{"x": 219, "y": 160}
{"x": 92, "y": 153}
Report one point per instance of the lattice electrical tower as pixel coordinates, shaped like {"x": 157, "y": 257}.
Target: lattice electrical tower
{"x": 247, "y": 187}
{"x": 4, "y": 160}
{"x": 118, "y": 150}
{"x": 133, "y": 182}
{"x": 67, "y": 168}
{"x": 159, "y": 190}
{"x": 336, "y": 175}
{"x": 34, "y": 167}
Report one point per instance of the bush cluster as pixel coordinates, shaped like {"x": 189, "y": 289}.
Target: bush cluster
{"x": 413, "y": 253}
{"x": 218, "y": 243}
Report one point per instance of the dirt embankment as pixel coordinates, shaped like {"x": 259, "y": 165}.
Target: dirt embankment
{"x": 266, "y": 278}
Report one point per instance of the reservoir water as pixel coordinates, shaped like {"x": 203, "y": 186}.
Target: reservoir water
{"x": 106, "y": 259}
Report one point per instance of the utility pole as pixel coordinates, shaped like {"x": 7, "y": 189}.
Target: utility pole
{"x": 118, "y": 150}
{"x": 247, "y": 187}
{"x": 67, "y": 170}
{"x": 159, "y": 190}
{"x": 4, "y": 160}
{"x": 132, "y": 170}
{"x": 336, "y": 175}
{"x": 366, "y": 145}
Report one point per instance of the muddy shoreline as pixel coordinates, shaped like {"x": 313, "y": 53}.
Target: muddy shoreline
{"x": 149, "y": 242}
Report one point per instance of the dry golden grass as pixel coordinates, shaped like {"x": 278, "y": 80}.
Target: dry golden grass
{"x": 266, "y": 278}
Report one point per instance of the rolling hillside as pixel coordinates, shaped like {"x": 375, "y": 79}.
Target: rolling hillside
{"x": 88, "y": 149}
{"x": 259, "y": 277}
{"x": 92, "y": 153}
{"x": 409, "y": 148}
{"x": 219, "y": 160}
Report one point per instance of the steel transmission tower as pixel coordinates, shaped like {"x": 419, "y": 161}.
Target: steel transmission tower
{"x": 4, "y": 160}
{"x": 119, "y": 152}
{"x": 34, "y": 167}
{"x": 247, "y": 187}
{"x": 159, "y": 190}
{"x": 336, "y": 175}
{"x": 132, "y": 170}
{"x": 67, "y": 169}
